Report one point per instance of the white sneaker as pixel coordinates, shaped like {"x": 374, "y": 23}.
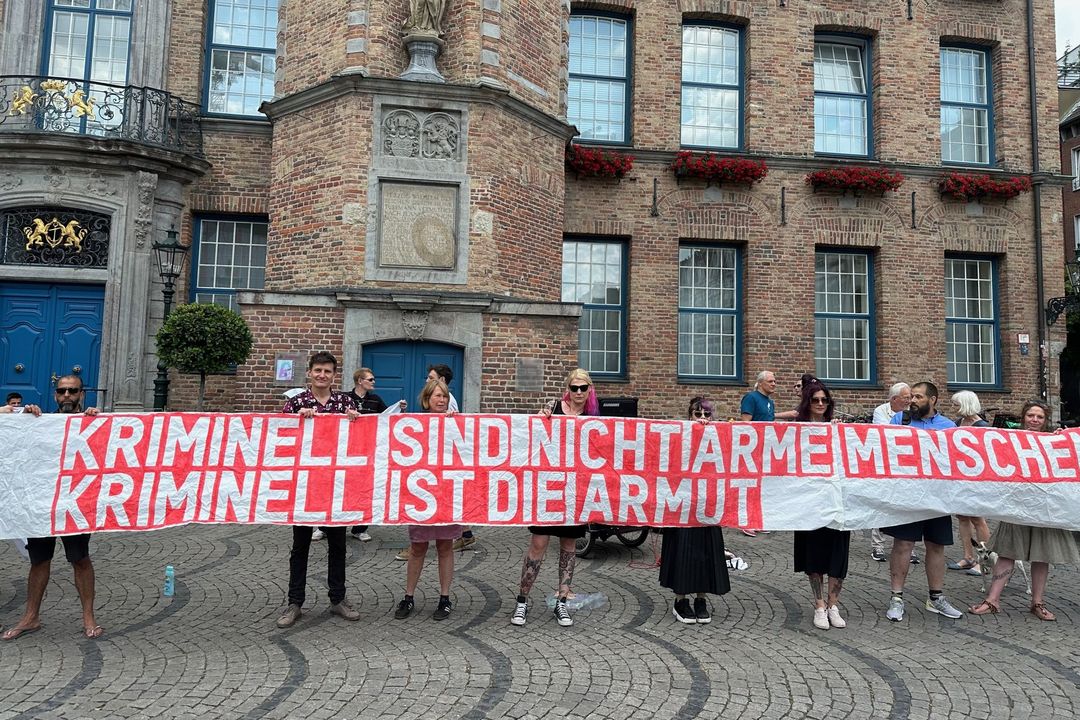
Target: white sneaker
{"x": 520, "y": 611}
{"x": 318, "y": 535}
{"x": 834, "y": 617}
{"x": 821, "y": 619}
{"x": 363, "y": 537}
{"x": 562, "y": 614}
{"x": 941, "y": 606}
{"x": 896, "y": 609}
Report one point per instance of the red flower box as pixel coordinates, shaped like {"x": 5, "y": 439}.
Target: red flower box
{"x": 714, "y": 168}
{"x": 963, "y": 186}
{"x": 591, "y": 162}
{"x": 873, "y": 180}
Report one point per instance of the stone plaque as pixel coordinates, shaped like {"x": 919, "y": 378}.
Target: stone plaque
{"x": 417, "y": 225}
{"x": 530, "y": 375}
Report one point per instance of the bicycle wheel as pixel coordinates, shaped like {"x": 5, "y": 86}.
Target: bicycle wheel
{"x": 632, "y": 537}
{"x": 584, "y": 545}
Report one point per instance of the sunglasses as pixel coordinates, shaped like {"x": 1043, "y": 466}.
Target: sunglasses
{"x": 819, "y": 401}
{"x": 578, "y": 388}
{"x": 68, "y": 391}
{"x": 702, "y": 414}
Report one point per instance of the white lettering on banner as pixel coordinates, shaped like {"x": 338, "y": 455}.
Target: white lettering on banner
{"x": 672, "y": 501}
{"x": 744, "y": 441}
{"x": 274, "y": 486}
{"x": 596, "y": 500}
{"x": 120, "y": 472}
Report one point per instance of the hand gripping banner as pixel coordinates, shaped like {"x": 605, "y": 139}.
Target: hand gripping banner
{"x": 63, "y": 474}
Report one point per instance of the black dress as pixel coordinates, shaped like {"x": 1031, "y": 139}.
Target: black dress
{"x": 692, "y": 560}
{"x": 822, "y": 552}
{"x": 559, "y": 531}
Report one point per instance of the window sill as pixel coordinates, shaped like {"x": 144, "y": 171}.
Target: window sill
{"x": 852, "y": 384}
{"x": 726, "y": 382}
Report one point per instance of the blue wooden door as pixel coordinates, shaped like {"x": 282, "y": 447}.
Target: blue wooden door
{"x": 401, "y": 368}
{"x": 47, "y": 331}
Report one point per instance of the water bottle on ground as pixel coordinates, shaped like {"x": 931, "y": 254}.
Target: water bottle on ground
{"x": 170, "y": 582}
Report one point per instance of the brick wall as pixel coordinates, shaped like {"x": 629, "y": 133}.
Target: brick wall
{"x": 187, "y": 49}
{"x": 508, "y": 337}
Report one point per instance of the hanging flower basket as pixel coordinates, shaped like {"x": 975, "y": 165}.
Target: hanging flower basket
{"x": 859, "y": 179}
{"x": 967, "y": 187}
{"x": 713, "y": 168}
{"x": 590, "y": 162}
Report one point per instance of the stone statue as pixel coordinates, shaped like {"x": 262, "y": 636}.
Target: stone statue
{"x": 425, "y": 17}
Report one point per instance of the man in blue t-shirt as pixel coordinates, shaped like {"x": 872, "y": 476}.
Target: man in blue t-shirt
{"x": 935, "y": 533}
{"x": 757, "y": 405}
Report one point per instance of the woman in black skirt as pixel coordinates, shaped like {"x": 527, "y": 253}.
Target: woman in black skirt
{"x": 823, "y": 551}
{"x": 692, "y": 559}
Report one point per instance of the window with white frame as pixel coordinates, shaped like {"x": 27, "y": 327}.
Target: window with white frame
{"x": 230, "y": 255}
{"x": 971, "y": 334}
{"x": 598, "y": 100}
{"x": 1076, "y": 168}
{"x": 1076, "y": 235}
{"x": 708, "y": 311}
{"x": 711, "y": 86}
{"x": 841, "y": 96}
{"x": 843, "y": 311}
{"x": 965, "y": 106}
{"x": 241, "y": 56}
{"x": 593, "y": 273}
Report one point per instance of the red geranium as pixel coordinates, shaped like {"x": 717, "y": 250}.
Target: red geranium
{"x": 714, "y": 168}
{"x": 593, "y": 162}
{"x": 963, "y": 186}
{"x": 874, "y": 180}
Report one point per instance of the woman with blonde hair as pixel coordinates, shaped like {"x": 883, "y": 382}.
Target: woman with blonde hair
{"x": 434, "y": 398}
{"x": 578, "y": 399}
{"x": 972, "y": 527}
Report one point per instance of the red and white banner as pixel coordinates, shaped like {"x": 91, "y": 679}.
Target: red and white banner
{"x": 62, "y": 474}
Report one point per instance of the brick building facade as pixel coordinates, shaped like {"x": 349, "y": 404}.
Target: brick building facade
{"x": 394, "y": 222}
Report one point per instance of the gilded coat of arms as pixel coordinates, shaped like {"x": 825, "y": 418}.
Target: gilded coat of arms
{"x": 53, "y": 233}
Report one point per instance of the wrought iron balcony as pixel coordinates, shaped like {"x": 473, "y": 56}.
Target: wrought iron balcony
{"x": 44, "y": 105}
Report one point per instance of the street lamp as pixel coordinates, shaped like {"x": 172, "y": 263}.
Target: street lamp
{"x": 170, "y": 256}
{"x": 1056, "y": 306}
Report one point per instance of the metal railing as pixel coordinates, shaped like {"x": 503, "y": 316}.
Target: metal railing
{"x": 47, "y": 105}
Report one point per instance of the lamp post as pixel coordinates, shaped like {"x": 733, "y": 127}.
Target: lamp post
{"x": 170, "y": 256}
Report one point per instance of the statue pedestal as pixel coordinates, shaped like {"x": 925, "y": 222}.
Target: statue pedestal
{"x": 423, "y": 49}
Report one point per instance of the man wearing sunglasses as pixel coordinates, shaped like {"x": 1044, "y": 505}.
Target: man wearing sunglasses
{"x": 69, "y": 398}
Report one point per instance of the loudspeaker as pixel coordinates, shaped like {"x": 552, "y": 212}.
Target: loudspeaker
{"x": 618, "y": 407}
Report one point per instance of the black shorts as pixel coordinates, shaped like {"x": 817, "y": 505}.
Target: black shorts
{"x": 935, "y": 530}
{"x": 559, "y": 531}
{"x": 76, "y": 548}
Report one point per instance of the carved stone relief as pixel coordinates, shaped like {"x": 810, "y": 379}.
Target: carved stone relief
{"x": 440, "y": 132}
{"x": 414, "y": 323}
{"x": 144, "y": 215}
{"x": 416, "y": 134}
{"x": 100, "y": 186}
{"x": 9, "y": 181}
{"x": 401, "y": 134}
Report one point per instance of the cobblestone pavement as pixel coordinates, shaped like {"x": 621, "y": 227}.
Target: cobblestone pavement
{"x": 213, "y": 651}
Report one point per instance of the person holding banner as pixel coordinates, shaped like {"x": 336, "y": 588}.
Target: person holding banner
{"x": 434, "y": 398}
{"x": 579, "y": 399}
{"x": 369, "y": 404}
{"x": 320, "y": 398}
{"x": 692, "y": 559}
{"x": 1037, "y": 545}
{"x": 823, "y": 551}
{"x": 69, "y": 399}
{"x": 972, "y": 527}
{"x": 935, "y": 532}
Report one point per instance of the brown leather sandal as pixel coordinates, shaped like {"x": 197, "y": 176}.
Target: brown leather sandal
{"x": 1040, "y": 611}
{"x": 985, "y": 608}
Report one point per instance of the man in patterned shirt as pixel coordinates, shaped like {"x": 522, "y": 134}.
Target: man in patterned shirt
{"x": 319, "y": 398}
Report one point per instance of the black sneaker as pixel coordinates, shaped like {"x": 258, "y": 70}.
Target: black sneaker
{"x": 683, "y": 612}
{"x": 404, "y": 609}
{"x": 701, "y": 611}
{"x": 443, "y": 610}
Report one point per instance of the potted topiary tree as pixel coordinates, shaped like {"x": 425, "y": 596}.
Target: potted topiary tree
{"x": 203, "y": 339}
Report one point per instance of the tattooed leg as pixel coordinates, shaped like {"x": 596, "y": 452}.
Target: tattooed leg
{"x": 1003, "y": 570}
{"x": 530, "y": 569}
{"x": 835, "y": 586}
{"x": 815, "y": 587}
{"x": 567, "y": 560}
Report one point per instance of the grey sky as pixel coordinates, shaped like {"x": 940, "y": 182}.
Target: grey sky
{"x": 1068, "y": 24}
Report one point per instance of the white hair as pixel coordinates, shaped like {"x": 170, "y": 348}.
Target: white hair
{"x": 897, "y": 389}
{"x": 967, "y": 403}
{"x": 761, "y": 376}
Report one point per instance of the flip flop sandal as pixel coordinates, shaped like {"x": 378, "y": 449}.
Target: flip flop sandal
{"x": 93, "y": 633}
{"x": 1040, "y": 611}
{"x": 986, "y": 608}
{"x": 17, "y": 632}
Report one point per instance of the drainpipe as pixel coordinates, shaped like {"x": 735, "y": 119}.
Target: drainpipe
{"x": 1036, "y": 193}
